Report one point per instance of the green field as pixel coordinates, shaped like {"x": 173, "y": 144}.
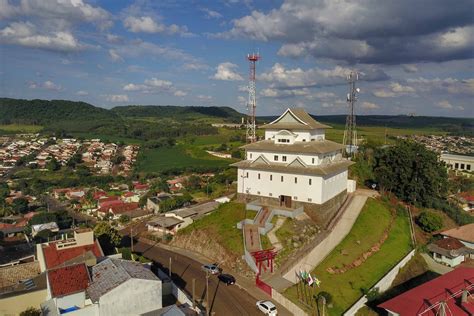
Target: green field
{"x": 161, "y": 159}
{"x": 346, "y": 288}
{"x": 20, "y": 128}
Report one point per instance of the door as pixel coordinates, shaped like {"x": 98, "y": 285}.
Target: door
{"x": 285, "y": 200}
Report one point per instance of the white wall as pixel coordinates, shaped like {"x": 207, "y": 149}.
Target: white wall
{"x": 306, "y": 158}
{"x": 306, "y": 135}
{"x": 450, "y": 262}
{"x": 76, "y": 299}
{"x": 143, "y": 296}
{"x": 318, "y": 192}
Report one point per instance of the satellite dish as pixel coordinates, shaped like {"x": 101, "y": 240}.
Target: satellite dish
{"x": 358, "y": 90}
{"x": 348, "y": 97}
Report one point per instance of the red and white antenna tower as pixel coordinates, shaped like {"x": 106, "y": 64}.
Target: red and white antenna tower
{"x": 252, "y": 103}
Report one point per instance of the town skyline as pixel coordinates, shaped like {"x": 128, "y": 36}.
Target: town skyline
{"x": 139, "y": 52}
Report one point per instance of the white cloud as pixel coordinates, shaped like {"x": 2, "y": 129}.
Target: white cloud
{"x": 146, "y": 24}
{"x": 395, "y": 89}
{"x": 155, "y": 85}
{"x": 241, "y": 100}
{"x": 383, "y": 93}
{"x": 114, "y": 56}
{"x": 195, "y": 66}
{"x": 445, "y": 105}
{"x": 47, "y": 85}
{"x": 226, "y": 71}
{"x": 450, "y": 85}
{"x": 211, "y": 13}
{"x": 243, "y": 88}
{"x": 82, "y": 93}
{"x": 205, "y": 98}
{"x": 25, "y": 34}
{"x": 116, "y": 98}
{"x": 369, "y": 106}
{"x": 410, "y": 68}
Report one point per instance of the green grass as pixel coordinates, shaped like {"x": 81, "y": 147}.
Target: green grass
{"x": 284, "y": 233}
{"x": 20, "y": 128}
{"x": 221, "y": 226}
{"x": 346, "y": 288}
{"x": 161, "y": 159}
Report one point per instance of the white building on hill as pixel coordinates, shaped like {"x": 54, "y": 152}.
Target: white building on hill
{"x": 295, "y": 165}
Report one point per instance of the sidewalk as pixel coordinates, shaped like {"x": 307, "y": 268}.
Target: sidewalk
{"x": 271, "y": 234}
{"x": 435, "y": 266}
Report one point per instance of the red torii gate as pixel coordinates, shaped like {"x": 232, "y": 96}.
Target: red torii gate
{"x": 261, "y": 256}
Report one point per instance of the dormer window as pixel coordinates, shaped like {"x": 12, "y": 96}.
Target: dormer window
{"x": 283, "y": 140}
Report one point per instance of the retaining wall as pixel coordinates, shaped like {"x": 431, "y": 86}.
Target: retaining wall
{"x": 286, "y": 303}
{"x": 383, "y": 284}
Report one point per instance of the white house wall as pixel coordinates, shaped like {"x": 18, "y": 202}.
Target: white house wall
{"x": 307, "y": 159}
{"x": 302, "y": 135}
{"x": 133, "y": 297}
{"x": 68, "y": 301}
{"x": 301, "y": 191}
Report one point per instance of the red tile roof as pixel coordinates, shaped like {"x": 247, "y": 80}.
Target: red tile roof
{"x": 449, "y": 243}
{"x": 68, "y": 280}
{"x": 139, "y": 186}
{"x": 129, "y": 194}
{"x": 54, "y": 257}
{"x": 105, "y": 203}
{"x": 123, "y": 208}
{"x": 421, "y": 298}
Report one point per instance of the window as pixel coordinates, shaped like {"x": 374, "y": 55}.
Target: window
{"x": 250, "y": 156}
{"x": 304, "y": 139}
{"x": 281, "y": 178}
{"x": 456, "y": 165}
{"x": 462, "y": 166}
{"x": 275, "y": 157}
{"x": 312, "y": 161}
{"x": 271, "y": 177}
{"x": 247, "y": 175}
{"x": 296, "y": 180}
{"x": 295, "y": 198}
{"x": 258, "y": 192}
{"x": 283, "y": 158}
{"x": 259, "y": 176}
{"x": 310, "y": 200}
{"x": 310, "y": 181}
{"x": 270, "y": 194}
{"x": 468, "y": 167}
{"x": 283, "y": 140}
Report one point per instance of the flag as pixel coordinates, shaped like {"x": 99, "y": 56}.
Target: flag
{"x": 310, "y": 279}
{"x": 317, "y": 281}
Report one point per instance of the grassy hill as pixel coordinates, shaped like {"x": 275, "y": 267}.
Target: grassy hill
{"x": 179, "y": 113}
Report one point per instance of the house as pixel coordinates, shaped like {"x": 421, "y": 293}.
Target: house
{"x": 52, "y": 226}
{"x": 164, "y": 225}
{"x": 153, "y": 203}
{"x": 176, "y": 184}
{"x": 449, "y": 294}
{"x": 67, "y": 291}
{"x": 75, "y": 194}
{"x": 450, "y": 251}
{"x": 122, "y": 287}
{"x": 21, "y": 286}
{"x": 118, "y": 209}
{"x": 81, "y": 248}
{"x": 130, "y": 197}
{"x": 295, "y": 165}
{"x": 458, "y": 163}
{"x": 464, "y": 234}
{"x": 140, "y": 188}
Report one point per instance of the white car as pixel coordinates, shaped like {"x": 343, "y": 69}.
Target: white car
{"x": 267, "y": 307}
{"x": 211, "y": 268}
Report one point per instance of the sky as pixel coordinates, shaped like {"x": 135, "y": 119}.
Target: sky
{"x": 413, "y": 57}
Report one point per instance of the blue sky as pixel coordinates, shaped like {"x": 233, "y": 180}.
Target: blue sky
{"x": 413, "y": 57}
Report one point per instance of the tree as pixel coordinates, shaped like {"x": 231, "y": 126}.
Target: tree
{"x": 412, "y": 172}
{"x": 53, "y": 165}
{"x": 107, "y": 235}
{"x": 124, "y": 219}
{"x": 20, "y": 205}
{"x": 237, "y": 154}
{"x": 429, "y": 221}
{"x": 31, "y": 311}
{"x": 193, "y": 183}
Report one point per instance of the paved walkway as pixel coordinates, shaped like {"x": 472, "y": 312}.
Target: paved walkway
{"x": 252, "y": 238}
{"x": 271, "y": 234}
{"x": 340, "y": 230}
{"x": 435, "y": 266}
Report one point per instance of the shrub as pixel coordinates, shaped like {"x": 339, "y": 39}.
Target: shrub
{"x": 327, "y": 296}
{"x": 429, "y": 221}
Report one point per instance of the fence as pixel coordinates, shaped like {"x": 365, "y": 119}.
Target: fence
{"x": 382, "y": 285}
{"x": 263, "y": 286}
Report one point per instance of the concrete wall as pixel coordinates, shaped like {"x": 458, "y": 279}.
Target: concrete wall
{"x": 318, "y": 192}
{"x": 286, "y": 303}
{"x": 14, "y": 305}
{"x": 68, "y": 301}
{"x": 383, "y": 284}
{"x": 146, "y": 294}
{"x": 450, "y": 262}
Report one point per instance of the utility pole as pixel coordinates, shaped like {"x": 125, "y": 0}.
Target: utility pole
{"x": 350, "y": 133}
{"x": 208, "y": 310}
{"x": 252, "y": 102}
{"x": 170, "y": 268}
{"x": 194, "y": 292}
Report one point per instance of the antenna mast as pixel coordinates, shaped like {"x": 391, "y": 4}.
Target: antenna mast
{"x": 252, "y": 103}
{"x": 350, "y": 133}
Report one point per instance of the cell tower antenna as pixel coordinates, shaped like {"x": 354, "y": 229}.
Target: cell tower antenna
{"x": 252, "y": 102}
{"x": 350, "y": 133}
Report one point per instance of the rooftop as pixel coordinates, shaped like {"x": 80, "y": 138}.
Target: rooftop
{"x": 459, "y": 157}
{"x": 464, "y": 233}
{"x": 110, "y": 273}
{"x": 165, "y": 222}
{"x": 420, "y": 298}
{"x": 296, "y": 118}
{"x": 55, "y": 257}
{"x": 313, "y": 147}
{"x": 68, "y": 280}
{"x": 13, "y": 275}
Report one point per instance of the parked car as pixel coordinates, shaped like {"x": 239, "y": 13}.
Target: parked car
{"x": 227, "y": 279}
{"x": 371, "y": 184}
{"x": 267, "y": 307}
{"x": 212, "y": 268}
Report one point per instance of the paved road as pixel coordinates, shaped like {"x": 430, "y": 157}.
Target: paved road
{"x": 223, "y": 300}
{"x": 435, "y": 266}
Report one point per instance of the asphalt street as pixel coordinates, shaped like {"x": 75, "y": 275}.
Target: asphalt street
{"x": 223, "y": 300}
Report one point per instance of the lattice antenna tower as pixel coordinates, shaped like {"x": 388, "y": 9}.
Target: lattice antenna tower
{"x": 350, "y": 133}
{"x": 252, "y": 102}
